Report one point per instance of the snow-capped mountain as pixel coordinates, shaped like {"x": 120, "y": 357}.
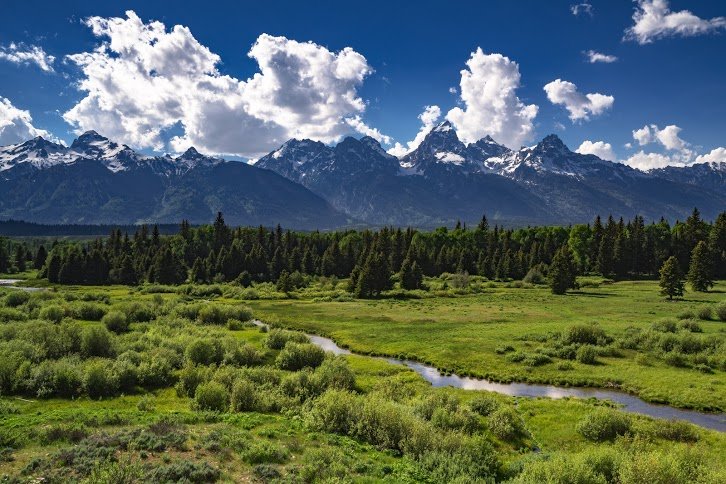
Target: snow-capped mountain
{"x": 39, "y": 153}
{"x": 35, "y": 153}
{"x": 710, "y": 175}
{"x": 441, "y": 149}
{"x": 308, "y": 184}
{"x": 444, "y": 179}
{"x": 96, "y": 180}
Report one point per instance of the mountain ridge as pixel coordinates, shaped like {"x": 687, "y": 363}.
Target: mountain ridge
{"x": 96, "y": 180}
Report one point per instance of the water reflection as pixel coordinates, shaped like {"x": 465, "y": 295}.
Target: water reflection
{"x": 630, "y": 403}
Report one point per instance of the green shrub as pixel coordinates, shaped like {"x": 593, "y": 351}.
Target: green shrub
{"x": 16, "y": 298}
{"x": 99, "y": 380}
{"x": 88, "y": 311}
{"x": 335, "y": 373}
{"x": 565, "y": 469}
{"x": 721, "y": 311}
{"x": 604, "y": 424}
{"x": 190, "y": 377}
{"x": 183, "y": 471}
{"x": 705, "y": 313}
{"x": 219, "y": 314}
{"x": 537, "y": 359}
{"x": 584, "y": 334}
{"x": 296, "y": 356}
{"x": 676, "y": 430}
{"x": 204, "y": 351}
{"x": 116, "y": 322}
{"x": 691, "y": 325}
{"x": 137, "y": 312}
{"x": 52, "y": 313}
{"x": 211, "y": 396}
{"x": 660, "y": 467}
{"x": 244, "y": 396}
{"x": 687, "y": 314}
{"x": 241, "y": 354}
{"x": 505, "y": 423}
{"x": 535, "y": 276}
{"x": 587, "y": 354}
{"x": 265, "y": 452}
{"x": 674, "y": 358}
{"x": 278, "y": 338}
{"x": 335, "y": 411}
{"x": 665, "y": 325}
{"x": 96, "y": 341}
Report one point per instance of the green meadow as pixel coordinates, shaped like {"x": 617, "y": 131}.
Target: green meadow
{"x": 174, "y": 384}
{"x": 468, "y": 334}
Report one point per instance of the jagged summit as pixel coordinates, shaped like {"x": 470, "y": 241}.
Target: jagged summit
{"x": 39, "y": 153}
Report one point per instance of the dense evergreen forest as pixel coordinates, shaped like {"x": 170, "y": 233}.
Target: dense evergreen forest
{"x": 218, "y": 253}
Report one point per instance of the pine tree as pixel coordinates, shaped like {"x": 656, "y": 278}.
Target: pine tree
{"x": 20, "y": 258}
{"x": 199, "y": 271}
{"x": 284, "y": 283}
{"x": 167, "y": 268}
{"x": 717, "y": 244}
{"x": 126, "y": 274}
{"x": 411, "y": 275}
{"x": 53, "y": 266}
{"x": 562, "y": 271}
{"x": 671, "y": 279}
{"x": 40, "y": 256}
{"x": 700, "y": 271}
{"x": 4, "y": 259}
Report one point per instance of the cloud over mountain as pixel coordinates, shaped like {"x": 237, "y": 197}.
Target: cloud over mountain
{"x": 491, "y": 107}
{"x": 16, "y": 124}
{"x": 144, "y": 80}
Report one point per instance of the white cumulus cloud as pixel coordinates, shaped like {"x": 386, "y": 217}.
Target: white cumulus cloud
{"x": 594, "y": 57}
{"x": 428, "y": 117}
{"x": 580, "y": 106}
{"x": 600, "y": 149}
{"x": 491, "y": 107}
{"x": 668, "y": 137}
{"x": 16, "y": 125}
{"x": 144, "y": 80}
{"x": 27, "y": 54}
{"x": 717, "y": 155}
{"x": 678, "y": 151}
{"x": 654, "y": 20}
{"x": 582, "y": 8}
{"x": 647, "y": 161}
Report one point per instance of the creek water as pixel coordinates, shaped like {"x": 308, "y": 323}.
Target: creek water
{"x": 629, "y": 403}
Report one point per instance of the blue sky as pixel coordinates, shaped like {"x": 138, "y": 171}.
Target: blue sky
{"x": 668, "y": 81}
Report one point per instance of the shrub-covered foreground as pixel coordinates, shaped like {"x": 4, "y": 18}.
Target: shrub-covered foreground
{"x": 129, "y": 387}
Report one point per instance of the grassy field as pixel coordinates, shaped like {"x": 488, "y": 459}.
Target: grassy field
{"x": 461, "y": 334}
{"x": 353, "y": 418}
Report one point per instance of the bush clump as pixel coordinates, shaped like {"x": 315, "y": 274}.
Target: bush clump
{"x": 705, "y": 313}
{"x": 585, "y": 334}
{"x": 721, "y": 311}
{"x": 587, "y": 355}
{"x": 506, "y": 423}
{"x": 296, "y": 356}
{"x": 604, "y": 424}
{"x": 116, "y": 322}
{"x": 211, "y": 396}
{"x": 278, "y": 338}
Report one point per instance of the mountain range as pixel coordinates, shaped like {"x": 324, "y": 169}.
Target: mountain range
{"x": 308, "y": 185}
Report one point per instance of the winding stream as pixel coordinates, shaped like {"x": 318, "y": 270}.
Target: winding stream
{"x": 630, "y": 403}
{"x": 11, "y": 284}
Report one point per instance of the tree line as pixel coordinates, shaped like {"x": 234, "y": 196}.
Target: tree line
{"x": 368, "y": 258}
